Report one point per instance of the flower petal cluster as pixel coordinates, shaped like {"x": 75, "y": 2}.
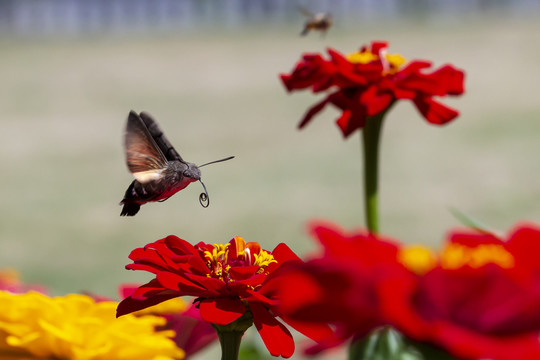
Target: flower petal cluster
{"x": 477, "y": 299}
{"x": 228, "y": 280}
{"x": 77, "y": 327}
{"x": 366, "y": 83}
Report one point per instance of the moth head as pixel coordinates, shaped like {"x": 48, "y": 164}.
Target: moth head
{"x": 192, "y": 171}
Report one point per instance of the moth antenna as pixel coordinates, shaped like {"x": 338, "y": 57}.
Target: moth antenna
{"x": 216, "y": 161}
{"x": 204, "y": 200}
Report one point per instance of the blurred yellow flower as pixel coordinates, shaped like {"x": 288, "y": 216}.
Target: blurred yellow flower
{"x": 75, "y": 327}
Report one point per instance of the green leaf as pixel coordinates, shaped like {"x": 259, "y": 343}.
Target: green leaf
{"x": 383, "y": 344}
{"x": 387, "y": 343}
{"x": 472, "y": 223}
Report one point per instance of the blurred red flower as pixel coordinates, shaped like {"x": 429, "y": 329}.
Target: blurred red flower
{"x": 339, "y": 287}
{"x": 228, "y": 281}
{"x": 480, "y": 301}
{"x": 368, "y": 82}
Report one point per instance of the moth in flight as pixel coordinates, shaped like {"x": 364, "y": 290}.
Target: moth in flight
{"x": 159, "y": 171}
{"x": 320, "y": 21}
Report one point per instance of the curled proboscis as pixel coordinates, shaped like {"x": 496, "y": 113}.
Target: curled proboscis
{"x": 204, "y": 200}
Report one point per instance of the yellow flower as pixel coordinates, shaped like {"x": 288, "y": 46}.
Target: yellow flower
{"x": 75, "y": 327}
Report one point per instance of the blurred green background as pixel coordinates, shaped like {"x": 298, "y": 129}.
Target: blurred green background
{"x": 215, "y": 90}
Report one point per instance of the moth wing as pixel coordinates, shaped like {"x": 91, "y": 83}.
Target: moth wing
{"x": 144, "y": 158}
{"x": 159, "y": 137}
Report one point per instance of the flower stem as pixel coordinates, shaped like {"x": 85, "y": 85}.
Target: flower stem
{"x": 230, "y": 344}
{"x": 230, "y": 336}
{"x": 370, "y": 140}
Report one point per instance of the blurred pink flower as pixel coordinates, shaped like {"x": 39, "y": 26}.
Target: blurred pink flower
{"x": 10, "y": 281}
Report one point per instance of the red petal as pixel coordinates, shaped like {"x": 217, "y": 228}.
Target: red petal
{"x": 243, "y": 272}
{"x": 344, "y": 123}
{"x": 377, "y": 46}
{"x": 435, "y": 112}
{"x": 299, "y": 290}
{"x": 197, "y": 266}
{"x": 314, "y": 110}
{"x": 375, "y": 102}
{"x": 275, "y": 335}
{"x": 286, "y": 79}
{"x": 524, "y": 244}
{"x": 180, "y": 246}
{"x": 147, "y": 290}
{"x": 281, "y": 254}
{"x": 254, "y": 248}
{"x": 315, "y": 331}
{"x": 178, "y": 283}
{"x": 451, "y": 79}
{"x": 129, "y": 305}
{"x": 221, "y": 311}
{"x": 146, "y": 259}
{"x": 284, "y": 253}
{"x": 414, "y": 67}
{"x": 444, "y": 81}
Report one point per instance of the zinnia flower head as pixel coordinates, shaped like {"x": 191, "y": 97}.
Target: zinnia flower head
{"x": 229, "y": 281}
{"x": 479, "y": 300}
{"x": 366, "y": 83}
{"x": 76, "y": 327}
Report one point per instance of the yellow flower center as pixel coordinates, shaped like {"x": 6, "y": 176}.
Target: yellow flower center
{"x": 419, "y": 259}
{"x": 456, "y": 255}
{"x": 220, "y": 261}
{"x": 392, "y": 63}
{"x": 263, "y": 259}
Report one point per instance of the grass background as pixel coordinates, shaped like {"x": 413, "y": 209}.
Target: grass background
{"x": 216, "y": 93}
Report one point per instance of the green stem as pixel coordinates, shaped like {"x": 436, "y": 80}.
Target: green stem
{"x": 230, "y": 344}
{"x": 371, "y": 138}
{"x": 230, "y": 336}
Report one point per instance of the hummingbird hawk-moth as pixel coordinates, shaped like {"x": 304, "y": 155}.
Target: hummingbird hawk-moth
{"x": 159, "y": 171}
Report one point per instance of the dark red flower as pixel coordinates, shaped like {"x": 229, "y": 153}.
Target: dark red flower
{"x": 228, "y": 280}
{"x": 368, "y": 82}
{"x": 480, "y": 301}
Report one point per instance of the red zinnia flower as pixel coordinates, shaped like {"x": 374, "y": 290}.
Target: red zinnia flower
{"x": 478, "y": 299}
{"x": 481, "y": 300}
{"x": 228, "y": 281}
{"x": 368, "y": 82}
